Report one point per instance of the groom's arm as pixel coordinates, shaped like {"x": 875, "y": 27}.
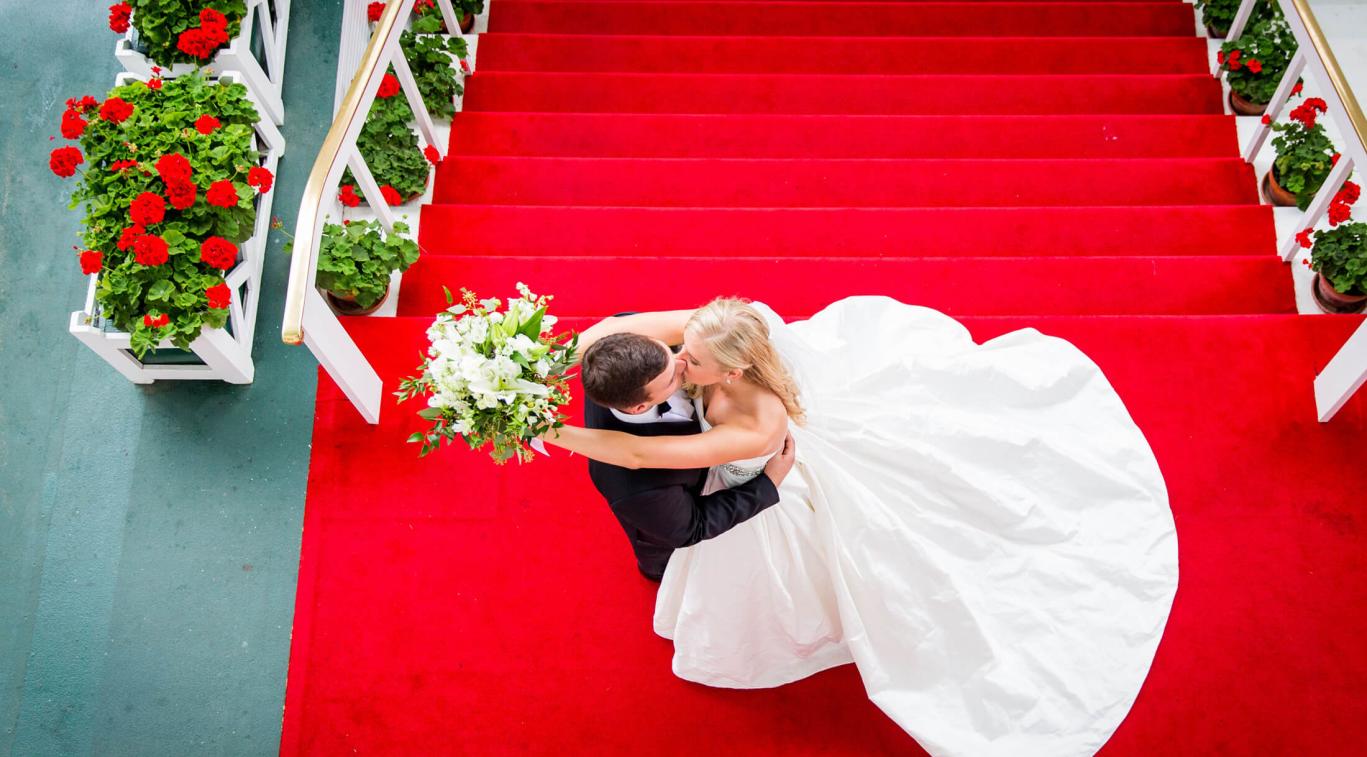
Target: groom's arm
{"x": 675, "y": 517}
{"x": 719, "y": 512}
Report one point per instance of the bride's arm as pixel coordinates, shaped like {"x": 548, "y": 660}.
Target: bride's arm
{"x": 665, "y": 325}
{"x": 721, "y": 444}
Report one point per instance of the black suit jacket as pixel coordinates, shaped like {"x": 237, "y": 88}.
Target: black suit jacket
{"x": 662, "y": 510}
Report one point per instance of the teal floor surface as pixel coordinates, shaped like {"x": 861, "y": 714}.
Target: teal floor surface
{"x": 149, "y": 536}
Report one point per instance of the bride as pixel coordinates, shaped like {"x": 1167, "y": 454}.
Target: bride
{"x": 981, "y": 529}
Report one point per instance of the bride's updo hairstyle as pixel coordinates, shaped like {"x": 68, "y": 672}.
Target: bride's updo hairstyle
{"x": 738, "y": 338}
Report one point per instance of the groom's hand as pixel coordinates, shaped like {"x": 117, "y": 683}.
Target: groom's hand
{"x": 779, "y": 465}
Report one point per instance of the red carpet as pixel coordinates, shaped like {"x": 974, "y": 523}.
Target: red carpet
{"x": 1061, "y": 166}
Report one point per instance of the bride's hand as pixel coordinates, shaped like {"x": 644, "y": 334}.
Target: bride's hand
{"x": 665, "y": 325}
{"x": 779, "y": 465}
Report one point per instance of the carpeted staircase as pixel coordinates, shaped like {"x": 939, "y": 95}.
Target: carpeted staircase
{"x": 1063, "y": 166}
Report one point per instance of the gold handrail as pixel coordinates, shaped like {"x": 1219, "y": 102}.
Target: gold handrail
{"x": 1331, "y": 66}
{"x": 305, "y": 243}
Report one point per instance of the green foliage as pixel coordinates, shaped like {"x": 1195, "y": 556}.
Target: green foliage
{"x": 429, "y": 57}
{"x": 1218, "y": 14}
{"x": 1304, "y": 159}
{"x": 390, "y": 148}
{"x": 161, "y": 124}
{"x": 1340, "y": 255}
{"x": 356, "y": 259}
{"x": 1270, "y": 42}
{"x": 428, "y": 20}
{"x": 158, "y": 24}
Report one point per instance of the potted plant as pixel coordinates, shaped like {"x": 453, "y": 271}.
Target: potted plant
{"x": 1304, "y": 156}
{"x": 430, "y": 58}
{"x": 178, "y": 36}
{"x": 355, "y": 260}
{"x": 1254, "y": 64}
{"x": 390, "y": 148}
{"x": 1217, "y": 15}
{"x": 427, "y": 18}
{"x": 1339, "y": 260}
{"x": 174, "y": 189}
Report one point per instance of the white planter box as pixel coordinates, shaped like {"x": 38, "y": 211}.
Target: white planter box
{"x": 263, "y": 72}
{"x": 218, "y": 354}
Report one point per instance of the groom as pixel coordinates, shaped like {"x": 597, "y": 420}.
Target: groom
{"x": 634, "y": 384}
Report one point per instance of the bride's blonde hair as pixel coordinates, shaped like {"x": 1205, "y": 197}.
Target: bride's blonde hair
{"x": 738, "y": 338}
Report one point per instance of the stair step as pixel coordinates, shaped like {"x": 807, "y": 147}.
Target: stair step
{"x": 684, "y": 182}
{"x": 879, "y": 19}
{"x": 801, "y": 286}
{"x": 834, "y": 94}
{"x": 847, "y": 55}
{"x": 778, "y": 136}
{"x": 546, "y": 231}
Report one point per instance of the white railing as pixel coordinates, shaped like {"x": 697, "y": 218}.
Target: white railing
{"x": 308, "y": 319}
{"x": 1347, "y": 371}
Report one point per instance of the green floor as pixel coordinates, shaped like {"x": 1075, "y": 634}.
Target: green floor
{"x": 149, "y": 536}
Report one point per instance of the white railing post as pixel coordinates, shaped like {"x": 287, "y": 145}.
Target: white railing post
{"x": 1241, "y": 17}
{"x": 1344, "y": 375}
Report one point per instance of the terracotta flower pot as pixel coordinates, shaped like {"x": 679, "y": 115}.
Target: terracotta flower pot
{"x": 345, "y": 304}
{"x": 467, "y": 22}
{"x": 1275, "y": 193}
{"x": 1245, "y": 107}
{"x": 1332, "y": 300}
{"x": 1216, "y": 33}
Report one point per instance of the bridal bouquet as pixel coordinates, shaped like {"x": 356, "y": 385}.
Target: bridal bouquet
{"x": 492, "y": 376}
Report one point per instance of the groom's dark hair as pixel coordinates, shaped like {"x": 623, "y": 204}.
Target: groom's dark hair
{"x": 616, "y": 369}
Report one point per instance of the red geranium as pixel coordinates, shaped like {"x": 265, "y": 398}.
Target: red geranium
{"x": 63, "y": 161}
{"x": 374, "y": 11}
{"x": 1334, "y": 159}
{"x": 156, "y": 322}
{"x": 348, "y": 196}
{"x": 389, "y": 86}
{"x": 173, "y": 167}
{"x": 120, "y": 166}
{"x": 424, "y": 5}
{"x": 150, "y": 250}
{"x": 196, "y": 43}
{"x": 206, "y": 124}
{"x": 116, "y": 110}
{"x": 118, "y": 17}
{"x": 465, "y": 67}
{"x": 91, "y": 261}
{"x": 129, "y": 236}
{"x": 222, "y": 194}
{"x": 82, "y": 105}
{"x": 217, "y": 252}
{"x": 1349, "y": 193}
{"x": 1296, "y": 90}
{"x": 1304, "y": 238}
{"x": 1339, "y": 212}
{"x": 391, "y": 195}
{"x": 154, "y": 83}
{"x": 210, "y": 18}
{"x": 181, "y": 194}
{"x": 1255, "y": 65}
{"x": 73, "y": 125}
{"x": 260, "y": 178}
{"x": 1316, "y": 103}
{"x": 220, "y": 296}
{"x": 433, "y": 156}
{"x": 1304, "y": 114}
{"x": 147, "y": 209}
{"x": 1267, "y": 120}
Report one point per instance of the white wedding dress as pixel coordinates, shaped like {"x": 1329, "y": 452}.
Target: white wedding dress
{"x": 981, "y": 529}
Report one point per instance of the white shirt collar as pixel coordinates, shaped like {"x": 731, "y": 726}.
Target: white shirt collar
{"x": 680, "y": 409}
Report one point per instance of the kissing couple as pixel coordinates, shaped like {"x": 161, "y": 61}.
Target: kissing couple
{"x": 981, "y": 529}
